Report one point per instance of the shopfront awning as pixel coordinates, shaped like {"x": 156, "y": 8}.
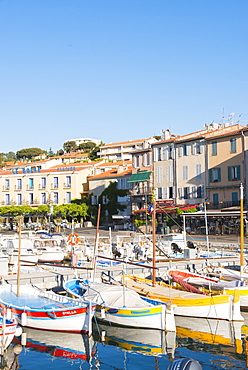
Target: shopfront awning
{"x": 141, "y": 176}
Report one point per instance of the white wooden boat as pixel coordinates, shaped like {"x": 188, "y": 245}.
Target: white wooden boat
{"x": 222, "y": 306}
{"x": 8, "y": 329}
{"x": 49, "y": 250}
{"x": 122, "y": 306}
{"x": 39, "y": 309}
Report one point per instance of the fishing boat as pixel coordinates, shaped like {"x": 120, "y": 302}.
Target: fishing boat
{"x": 192, "y": 304}
{"x": 211, "y": 285}
{"x": 8, "y": 329}
{"x": 45, "y": 310}
{"x": 122, "y": 306}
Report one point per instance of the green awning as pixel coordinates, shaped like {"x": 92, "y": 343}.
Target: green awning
{"x": 140, "y": 176}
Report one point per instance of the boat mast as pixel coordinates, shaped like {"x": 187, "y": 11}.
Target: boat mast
{"x": 96, "y": 241}
{"x": 154, "y": 243}
{"x": 19, "y": 256}
{"x": 242, "y": 259}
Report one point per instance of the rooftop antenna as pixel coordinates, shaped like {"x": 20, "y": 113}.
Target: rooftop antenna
{"x": 223, "y": 115}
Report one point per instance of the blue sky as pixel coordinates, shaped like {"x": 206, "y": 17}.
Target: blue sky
{"x": 119, "y": 70}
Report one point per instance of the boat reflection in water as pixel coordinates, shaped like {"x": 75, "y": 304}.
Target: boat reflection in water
{"x": 145, "y": 341}
{"x": 58, "y": 344}
{"x": 213, "y": 343}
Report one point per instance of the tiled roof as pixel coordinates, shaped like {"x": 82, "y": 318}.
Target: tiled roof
{"x": 123, "y": 143}
{"x": 111, "y": 173}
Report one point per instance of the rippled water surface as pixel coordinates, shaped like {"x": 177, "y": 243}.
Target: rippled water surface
{"x": 215, "y": 344}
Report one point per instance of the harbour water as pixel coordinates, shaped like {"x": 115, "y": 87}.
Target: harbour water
{"x": 215, "y": 344}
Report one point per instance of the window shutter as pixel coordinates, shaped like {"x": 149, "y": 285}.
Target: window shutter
{"x": 155, "y": 152}
{"x": 202, "y": 191}
{"x": 219, "y": 174}
{"x": 238, "y": 172}
{"x": 210, "y": 175}
{"x": 229, "y": 173}
{"x": 194, "y": 191}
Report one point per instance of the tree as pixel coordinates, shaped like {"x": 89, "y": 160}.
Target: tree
{"x": 70, "y": 146}
{"x": 29, "y": 153}
{"x": 10, "y": 156}
{"x": 89, "y": 145}
{"x": 109, "y": 200}
{"x": 60, "y": 152}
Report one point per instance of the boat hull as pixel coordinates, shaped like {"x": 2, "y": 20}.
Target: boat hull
{"x": 7, "y": 332}
{"x": 47, "y": 311}
{"x": 224, "y": 307}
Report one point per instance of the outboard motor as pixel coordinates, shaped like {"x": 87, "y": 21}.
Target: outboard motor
{"x": 115, "y": 252}
{"x": 190, "y": 244}
{"x": 175, "y": 248}
{"x": 185, "y": 364}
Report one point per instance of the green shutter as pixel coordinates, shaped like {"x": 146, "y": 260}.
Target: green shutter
{"x": 229, "y": 173}
{"x": 238, "y": 172}
{"x": 210, "y": 175}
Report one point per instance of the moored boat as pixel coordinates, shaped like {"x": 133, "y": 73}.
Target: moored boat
{"x": 222, "y": 306}
{"x": 122, "y": 306}
{"x": 45, "y": 310}
{"x": 8, "y": 329}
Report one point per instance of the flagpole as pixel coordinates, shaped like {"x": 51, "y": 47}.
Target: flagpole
{"x": 242, "y": 259}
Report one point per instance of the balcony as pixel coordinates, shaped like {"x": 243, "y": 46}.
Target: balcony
{"x": 18, "y": 187}
{"x": 30, "y": 187}
{"x": 6, "y": 188}
{"x": 67, "y": 186}
{"x": 140, "y": 192}
{"x": 221, "y": 205}
{"x": 42, "y": 186}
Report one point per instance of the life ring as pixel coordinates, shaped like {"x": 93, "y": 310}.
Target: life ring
{"x": 73, "y": 239}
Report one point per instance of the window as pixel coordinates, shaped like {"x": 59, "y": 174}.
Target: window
{"x": 19, "y": 184}
{"x": 6, "y": 184}
{"x": 94, "y": 200}
{"x": 198, "y": 171}
{"x": 68, "y": 181}
{"x": 235, "y": 199}
{"x": 214, "y": 148}
{"x": 214, "y": 175}
{"x": 56, "y": 198}
{"x": 43, "y": 198}
{"x": 19, "y": 199}
{"x": 199, "y": 192}
{"x": 159, "y": 154}
{"x": 185, "y": 149}
{"x": 215, "y": 199}
{"x": 55, "y": 182}
{"x": 68, "y": 197}
{"x": 7, "y": 199}
{"x": 159, "y": 174}
{"x": 233, "y": 148}
{"x": 31, "y": 198}
{"x": 171, "y": 192}
{"x": 43, "y": 183}
{"x": 170, "y": 150}
{"x": 185, "y": 172}
{"x": 233, "y": 173}
{"x": 159, "y": 193}
{"x": 186, "y": 192}
{"x": 170, "y": 174}
{"x": 31, "y": 184}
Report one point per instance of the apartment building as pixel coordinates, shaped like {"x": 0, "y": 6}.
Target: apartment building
{"x": 44, "y": 182}
{"x": 227, "y": 163}
{"x": 119, "y": 174}
{"x": 123, "y": 150}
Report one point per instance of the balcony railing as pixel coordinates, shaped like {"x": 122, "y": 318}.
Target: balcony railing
{"x": 140, "y": 191}
{"x": 221, "y": 205}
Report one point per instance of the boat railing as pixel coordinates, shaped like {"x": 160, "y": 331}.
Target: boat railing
{"x": 59, "y": 298}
